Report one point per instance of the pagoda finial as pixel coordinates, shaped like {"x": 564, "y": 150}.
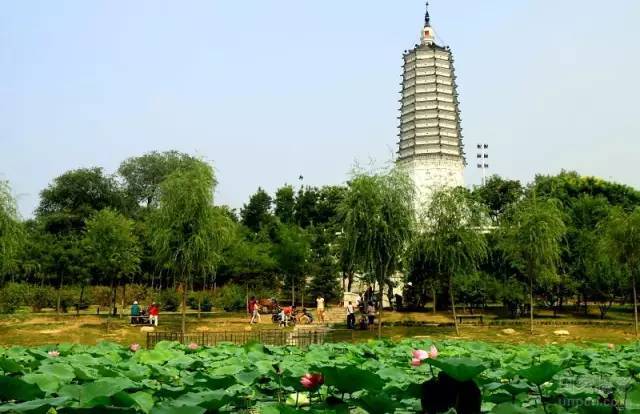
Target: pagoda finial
{"x": 427, "y": 18}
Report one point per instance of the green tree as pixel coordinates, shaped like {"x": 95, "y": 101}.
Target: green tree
{"x": 329, "y": 199}
{"x": 143, "y": 175}
{"x": 377, "y": 218}
{"x": 113, "y": 248}
{"x": 325, "y": 280}
{"x": 622, "y": 238}
{"x": 306, "y": 210}
{"x": 604, "y": 278}
{"x": 185, "y": 229}
{"x": 474, "y": 289}
{"x": 11, "y": 231}
{"x": 257, "y": 213}
{"x": 72, "y": 198}
{"x": 498, "y": 193}
{"x": 291, "y": 252}
{"x": 285, "y": 204}
{"x": 451, "y": 235}
{"x": 583, "y": 253}
{"x": 531, "y": 238}
{"x": 248, "y": 260}
{"x": 569, "y": 185}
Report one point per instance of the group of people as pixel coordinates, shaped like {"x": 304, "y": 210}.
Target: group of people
{"x": 367, "y": 315}
{"x": 284, "y": 315}
{"x": 141, "y": 316}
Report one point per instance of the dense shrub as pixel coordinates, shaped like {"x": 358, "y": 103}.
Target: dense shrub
{"x": 99, "y": 295}
{"x": 11, "y": 297}
{"x": 140, "y": 293}
{"x": 203, "y": 299}
{"x": 230, "y": 297}
{"x": 475, "y": 289}
{"x": 169, "y": 300}
{"x": 40, "y": 297}
{"x": 513, "y": 295}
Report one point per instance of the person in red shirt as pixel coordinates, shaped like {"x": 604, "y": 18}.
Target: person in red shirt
{"x": 286, "y": 314}
{"x": 154, "y": 310}
{"x": 253, "y": 310}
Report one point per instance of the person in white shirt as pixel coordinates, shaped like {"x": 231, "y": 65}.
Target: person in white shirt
{"x": 351, "y": 316}
{"x": 320, "y": 308}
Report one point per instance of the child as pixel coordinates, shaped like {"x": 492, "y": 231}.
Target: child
{"x": 153, "y": 314}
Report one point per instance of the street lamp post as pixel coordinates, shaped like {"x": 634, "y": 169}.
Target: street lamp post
{"x": 483, "y": 158}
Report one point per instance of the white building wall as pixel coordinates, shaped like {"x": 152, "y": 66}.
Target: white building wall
{"x": 430, "y": 174}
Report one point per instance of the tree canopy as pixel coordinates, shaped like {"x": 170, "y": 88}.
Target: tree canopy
{"x": 186, "y": 236}
{"x": 531, "y": 238}
{"x": 143, "y": 175}
{"x": 450, "y": 236}
{"x": 378, "y": 223}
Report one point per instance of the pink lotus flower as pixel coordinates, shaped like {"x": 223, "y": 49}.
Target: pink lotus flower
{"x": 193, "y": 346}
{"x": 311, "y": 381}
{"x": 420, "y": 354}
{"x": 134, "y": 347}
{"x": 433, "y": 352}
{"x": 53, "y": 354}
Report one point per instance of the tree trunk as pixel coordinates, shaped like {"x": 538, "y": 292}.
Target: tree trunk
{"x": 58, "y": 298}
{"x": 435, "y": 298}
{"x": 124, "y": 287}
{"x": 349, "y": 281}
{"x": 293, "y": 291}
{"x": 184, "y": 307}
{"x": 531, "y": 302}
{"x": 390, "y": 295}
{"x": 453, "y": 306}
{"x": 635, "y": 306}
{"x": 381, "y": 307}
{"x": 113, "y": 300}
{"x": 80, "y": 300}
{"x": 199, "y": 295}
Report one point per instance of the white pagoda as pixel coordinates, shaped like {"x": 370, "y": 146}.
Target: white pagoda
{"x": 430, "y": 148}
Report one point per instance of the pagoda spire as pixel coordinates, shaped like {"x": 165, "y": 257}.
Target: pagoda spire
{"x": 427, "y": 37}
{"x": 427, "y": 18}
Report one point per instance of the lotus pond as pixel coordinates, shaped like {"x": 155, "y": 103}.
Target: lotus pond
{"x": 372, "y": 377}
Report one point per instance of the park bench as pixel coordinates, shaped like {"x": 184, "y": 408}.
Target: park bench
{"x": 140, "y": 320}
{"x": 462, "y": 318}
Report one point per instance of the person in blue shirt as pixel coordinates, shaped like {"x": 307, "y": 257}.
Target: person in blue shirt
{"x": 135, "y": 312}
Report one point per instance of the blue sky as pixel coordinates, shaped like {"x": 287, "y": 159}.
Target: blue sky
{"x": 271, "y": 89}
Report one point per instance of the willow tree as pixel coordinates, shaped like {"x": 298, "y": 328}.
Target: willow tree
{"x": 11, "y": 231}
{"x": 451, "y": 236}
{"x": 622, "y": 238}
{"x": 185, "y": 228}
{"x": 531, "y": 237}
{"x": 113, "y": 248}
{"x": 377, "y": 218}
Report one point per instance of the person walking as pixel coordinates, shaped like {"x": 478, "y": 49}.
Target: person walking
{"x": 154, "y": 311}
{"x": 371, "y": 313}
{"x": 253, "y": 310}
{"x": 351, "y": 316}
{"x": 320, "y": 308}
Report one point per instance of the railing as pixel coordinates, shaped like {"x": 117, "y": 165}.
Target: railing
{"x": 300, "y": 338}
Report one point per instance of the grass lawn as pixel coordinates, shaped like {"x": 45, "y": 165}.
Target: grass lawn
{"x": 88, "y": 328}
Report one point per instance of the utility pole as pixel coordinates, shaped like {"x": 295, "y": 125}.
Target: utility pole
{"x": 483, "y": 159}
